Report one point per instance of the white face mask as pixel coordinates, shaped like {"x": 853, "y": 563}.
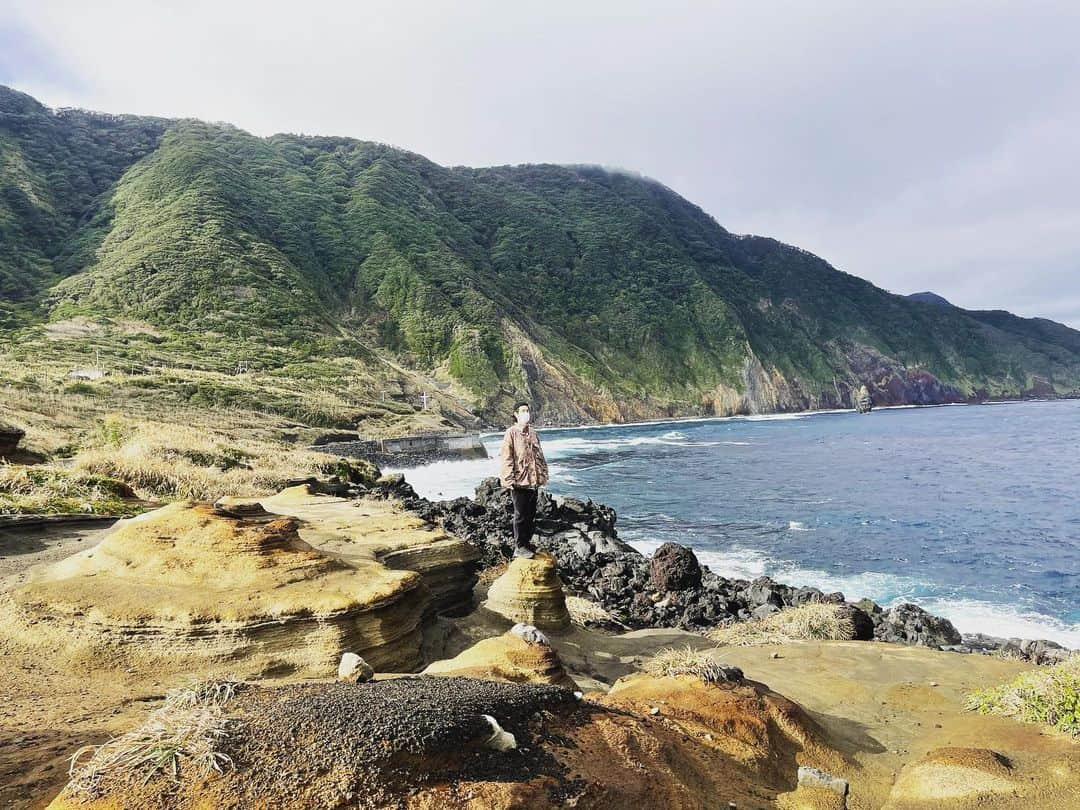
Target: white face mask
{"x": 522, "y": 417}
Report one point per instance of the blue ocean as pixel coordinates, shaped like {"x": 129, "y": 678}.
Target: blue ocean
{"x": 972, "y": 512}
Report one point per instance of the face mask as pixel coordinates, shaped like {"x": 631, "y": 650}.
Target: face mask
{"x": 522, "y": 418}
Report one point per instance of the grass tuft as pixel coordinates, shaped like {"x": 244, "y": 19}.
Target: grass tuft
{"x": 583, "y": 612}
{"x": 674, "y": 661}
{"x": 1049, "y": 695}
{"x": 181, "y": 739}
{"x": 806, "y": 622}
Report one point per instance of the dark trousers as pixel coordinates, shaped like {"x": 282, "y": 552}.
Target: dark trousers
{"x": 524, "y": 515}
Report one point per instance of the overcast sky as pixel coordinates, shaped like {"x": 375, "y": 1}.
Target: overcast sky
{"x": 921, "y": 145}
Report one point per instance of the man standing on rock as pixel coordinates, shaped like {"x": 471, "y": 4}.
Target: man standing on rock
{"x": 524, "y": 470}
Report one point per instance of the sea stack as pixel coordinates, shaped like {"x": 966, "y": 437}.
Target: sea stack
{"x": 863, "y": 402}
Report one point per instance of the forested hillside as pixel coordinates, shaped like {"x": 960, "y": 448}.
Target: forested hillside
{"x": 600, "y": 295}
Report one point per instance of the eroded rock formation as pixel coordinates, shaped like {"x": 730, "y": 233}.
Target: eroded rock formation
{"x": 508, "y": 657}
{"x": 530, "y": 592}
{"x": 189, "y": 581}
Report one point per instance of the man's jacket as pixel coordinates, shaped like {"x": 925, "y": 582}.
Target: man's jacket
{"x": 523, "y": 462}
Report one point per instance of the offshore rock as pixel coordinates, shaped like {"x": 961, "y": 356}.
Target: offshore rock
{"x": 862, "y": 400}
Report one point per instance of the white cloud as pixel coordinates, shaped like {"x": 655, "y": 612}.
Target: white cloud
{"x": 912, "y": 144}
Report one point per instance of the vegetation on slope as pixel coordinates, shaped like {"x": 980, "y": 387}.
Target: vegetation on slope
{"x": 599, "y": 294}
{"x": 1048, "y": 695}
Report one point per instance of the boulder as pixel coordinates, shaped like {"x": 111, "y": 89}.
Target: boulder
{"x": 530, "y": 592}
{"x": 354, "y": 669}
{"x": 10, "y": 436}
{"x": 907, "y": 623}
{"x": 674, "y": 568}
{"x": 508, "y": 657}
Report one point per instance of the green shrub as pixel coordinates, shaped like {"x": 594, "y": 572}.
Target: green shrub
{"x": 1050, "y": 695}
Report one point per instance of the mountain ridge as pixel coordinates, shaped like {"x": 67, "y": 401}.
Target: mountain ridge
{"x": 601, "y": 295}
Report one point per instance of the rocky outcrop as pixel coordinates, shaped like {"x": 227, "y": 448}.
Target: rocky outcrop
{"x": 530, "y": 592}
{"x": 10, "y": 436}
{"x": 910, "y": 624}
{"x": 191, "y": 583}
{"x": 366, "y": 528}
{"x": 470, "y": 744}
{"x": 509, "y": 657}
{"x": 1037, "y": 651}
{"x": 672, "y": 589}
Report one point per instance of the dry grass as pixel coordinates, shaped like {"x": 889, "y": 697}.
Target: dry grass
{"x": 806, "y": 622}
{"x": 174, "y": 461}
{"x": 1048, "y": 695}
{"x": 50, "y": 491}
{"x": 585, "y": 612}
{"x": 674, "y": 661}
{"x": 180, "y": 739}
{"x": 162, "y": 461}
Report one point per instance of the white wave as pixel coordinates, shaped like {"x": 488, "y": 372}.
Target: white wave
{"x": 1004, "y": 621}
{"x": 442, "y": 480}
{"x": 797, "y": 526}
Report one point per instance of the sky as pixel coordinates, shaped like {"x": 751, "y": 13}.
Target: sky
{"x": 921, "y": 145}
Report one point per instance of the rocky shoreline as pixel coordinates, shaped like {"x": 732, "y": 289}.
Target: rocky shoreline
{"x": 672, "y": 589}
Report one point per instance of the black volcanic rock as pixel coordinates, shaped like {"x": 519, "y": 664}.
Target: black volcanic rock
{"x": 910, "y": 624}
{"x": 674, "y": 568}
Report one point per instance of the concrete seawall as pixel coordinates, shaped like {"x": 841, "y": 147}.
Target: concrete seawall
{"x": 408, "y": 449}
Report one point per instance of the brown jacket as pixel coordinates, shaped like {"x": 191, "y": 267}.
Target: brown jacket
{"x": 523, "y": 462}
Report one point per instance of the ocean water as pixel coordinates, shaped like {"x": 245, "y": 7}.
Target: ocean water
{"x": 970, "y": 511}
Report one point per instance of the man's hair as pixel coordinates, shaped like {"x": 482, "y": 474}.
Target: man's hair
{"x": 518, "y": 404}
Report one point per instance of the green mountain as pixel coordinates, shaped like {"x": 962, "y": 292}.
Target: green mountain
{"x": 598, "y": 294}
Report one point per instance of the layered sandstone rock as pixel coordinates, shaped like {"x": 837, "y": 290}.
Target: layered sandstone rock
{"x": 952, "y": 777}
{"x": 530, "y": 592}
{"x": 368, "y": 529}
{"x": 189, "y": 581}
{"x": 508, "y": 657}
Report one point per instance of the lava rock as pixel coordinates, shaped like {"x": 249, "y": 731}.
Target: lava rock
{"x": 910, "y": 624}
{"x": 10, "y": 436}
{"x": 674, "y": 568}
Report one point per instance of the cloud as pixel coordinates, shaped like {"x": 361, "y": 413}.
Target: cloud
{"x": 918, "y": 146}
